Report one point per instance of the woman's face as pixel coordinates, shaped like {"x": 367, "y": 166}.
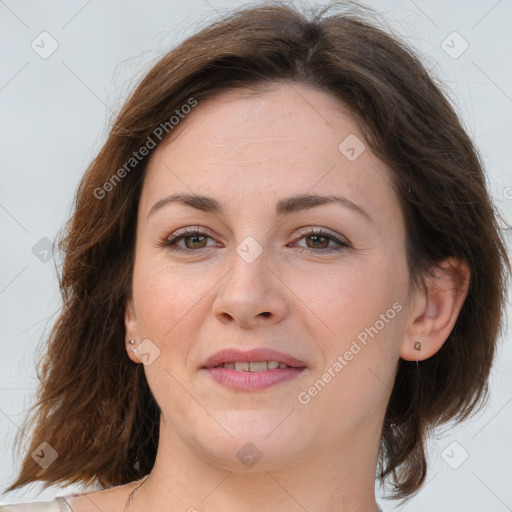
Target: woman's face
{"x": 324, "y": 282}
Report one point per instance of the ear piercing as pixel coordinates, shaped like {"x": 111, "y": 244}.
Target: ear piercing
{"x": 417, "y": 346}
{"x": 132, "y": 342}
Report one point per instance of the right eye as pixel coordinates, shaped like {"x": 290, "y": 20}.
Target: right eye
{"x": 197, "y": 237}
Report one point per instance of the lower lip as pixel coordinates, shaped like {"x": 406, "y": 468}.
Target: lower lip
{"x": 253, "y": 381}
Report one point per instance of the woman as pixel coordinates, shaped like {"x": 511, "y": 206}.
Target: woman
{"x": 283, "y": 270}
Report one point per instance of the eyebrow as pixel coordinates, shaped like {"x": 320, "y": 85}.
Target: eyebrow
{"x": 283, "y": 206}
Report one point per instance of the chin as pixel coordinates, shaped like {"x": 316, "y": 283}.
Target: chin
{"x": 254, "y": 448}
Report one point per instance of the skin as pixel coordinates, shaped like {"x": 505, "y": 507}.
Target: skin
{"x": 248, "y": 152}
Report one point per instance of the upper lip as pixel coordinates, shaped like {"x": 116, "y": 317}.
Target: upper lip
{"x": 232, "y": 355}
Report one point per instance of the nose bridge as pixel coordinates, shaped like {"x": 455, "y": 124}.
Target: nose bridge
{"x": 249, "y": 268}
{"x": 250, "y": 289}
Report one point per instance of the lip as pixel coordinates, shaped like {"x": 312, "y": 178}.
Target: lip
{"x": 252, "y": 381}
{"x": 231, "y": 355}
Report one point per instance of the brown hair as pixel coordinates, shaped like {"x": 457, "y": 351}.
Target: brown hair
{"x": 94, "y": 405}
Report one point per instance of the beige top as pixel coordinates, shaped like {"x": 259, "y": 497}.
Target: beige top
{"x": 59, "y": 504}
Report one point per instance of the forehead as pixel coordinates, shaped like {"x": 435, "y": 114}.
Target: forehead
{"x": 284, "y": 140}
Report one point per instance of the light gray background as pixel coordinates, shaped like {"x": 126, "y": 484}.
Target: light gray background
{"x": 54, "y": 115}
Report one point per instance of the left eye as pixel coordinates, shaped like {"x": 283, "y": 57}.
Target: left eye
{"x": 198, "y": 239}
{"x": 322, "y": 238}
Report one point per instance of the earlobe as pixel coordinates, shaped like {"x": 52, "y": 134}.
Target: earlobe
{"x": 131, "y": 329}
{"x": 432, "y": 322}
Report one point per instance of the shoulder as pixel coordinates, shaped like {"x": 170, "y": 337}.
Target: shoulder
{"x": 94, "y": 499}
{"x": 57, "y": 505}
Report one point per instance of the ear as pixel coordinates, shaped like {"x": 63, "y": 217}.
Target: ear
{"x": 131, "y": 329}
{"x": 436, "y": 309}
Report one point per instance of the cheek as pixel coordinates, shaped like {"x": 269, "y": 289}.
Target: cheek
{"x": 364, "y": 311}
{"x": 368, "y": 317}
{"x": 343, "y": 302}
{"x": 167, "y": 297}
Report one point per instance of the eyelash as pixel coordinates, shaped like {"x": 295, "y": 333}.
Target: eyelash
{"x": 170, "y": 243}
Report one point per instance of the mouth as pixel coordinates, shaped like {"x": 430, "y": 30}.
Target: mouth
{"x": 255, "y": 360}
{"x": 254, "y": 370}
{"x": 252, "y": 366}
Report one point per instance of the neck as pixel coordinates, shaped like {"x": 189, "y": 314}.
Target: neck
{"x": 341, "y": 478}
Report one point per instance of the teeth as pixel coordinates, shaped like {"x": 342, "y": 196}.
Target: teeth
{"x": 256, "y": 366}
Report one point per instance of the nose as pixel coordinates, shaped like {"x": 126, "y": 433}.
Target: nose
{"x": 251, "y": 294}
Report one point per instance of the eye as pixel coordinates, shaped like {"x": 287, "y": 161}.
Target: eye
{"x": 195, "y": 235}
{"x": 195, "y": 239}
{"x": 320, "y": 239}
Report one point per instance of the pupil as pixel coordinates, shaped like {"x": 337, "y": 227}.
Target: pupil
{"x": 195, "y": 237}
{"x": 317, "y": 237}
